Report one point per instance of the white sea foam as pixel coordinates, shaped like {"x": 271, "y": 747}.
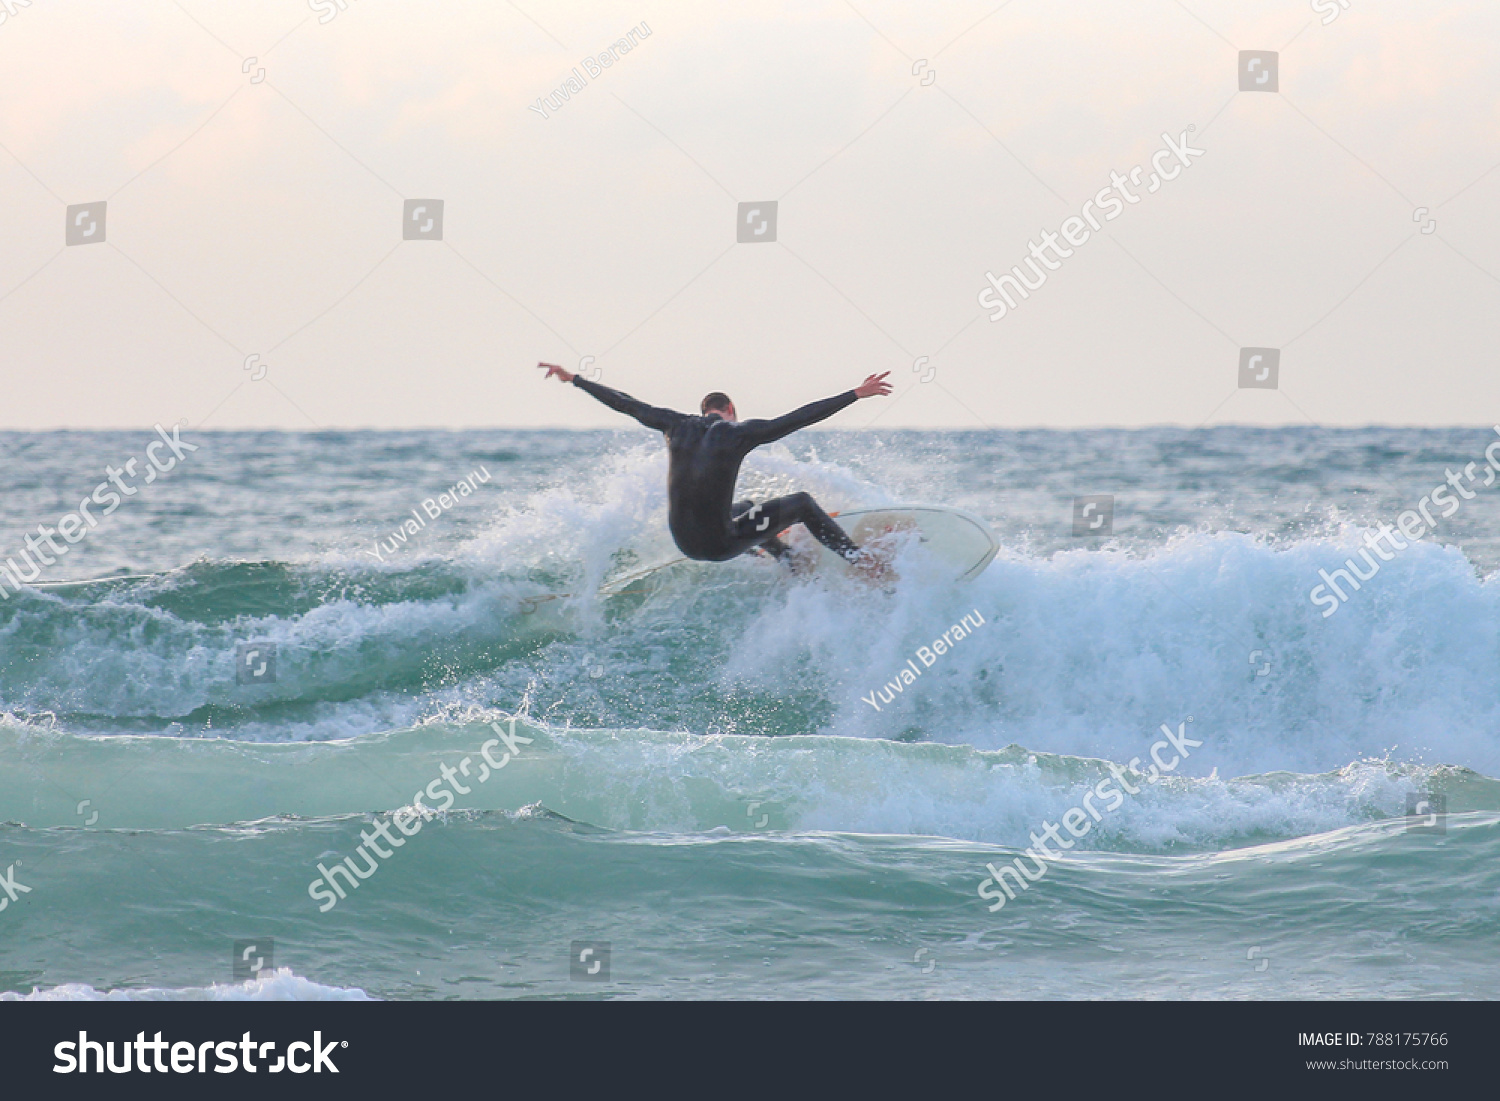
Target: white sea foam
{"x": 283, "y": 986}
{"x": 1084, "y": 652}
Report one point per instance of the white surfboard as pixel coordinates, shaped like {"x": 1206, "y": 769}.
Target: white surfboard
{"x": 956, "y": 543}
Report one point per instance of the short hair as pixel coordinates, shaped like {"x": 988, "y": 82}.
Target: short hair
{"x": 715, "y": 402}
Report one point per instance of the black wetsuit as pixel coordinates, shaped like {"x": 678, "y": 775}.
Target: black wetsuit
{"x": 704, "y": 461}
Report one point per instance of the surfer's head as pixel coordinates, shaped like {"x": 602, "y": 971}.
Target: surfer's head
{"x": 718, "y": 403}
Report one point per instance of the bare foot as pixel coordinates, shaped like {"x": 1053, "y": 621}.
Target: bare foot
{"x": 873, "y": 566}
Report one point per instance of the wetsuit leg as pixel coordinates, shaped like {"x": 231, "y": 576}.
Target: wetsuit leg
{"x": 772, "y": 546}
{"x": 750, "y": 528}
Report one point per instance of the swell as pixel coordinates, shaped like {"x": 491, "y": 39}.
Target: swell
{"x": 644, "y": 780}
{"x": 141, "y": 653}
{"x": 1081, "y": 652}
{"x": 485, "y": 905}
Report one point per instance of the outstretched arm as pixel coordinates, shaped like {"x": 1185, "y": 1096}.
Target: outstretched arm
{"x": 662, "y": 420}
{"x": 758, "y": 432}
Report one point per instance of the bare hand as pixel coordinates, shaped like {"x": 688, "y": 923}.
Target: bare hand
{"x": 873, "y": 387}
{"x": 554, "y": 369}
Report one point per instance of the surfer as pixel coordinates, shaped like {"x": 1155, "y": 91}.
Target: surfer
{"x": 705, "y": 453}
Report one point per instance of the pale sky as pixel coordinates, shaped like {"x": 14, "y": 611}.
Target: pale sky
{"x": 910, "y": 148}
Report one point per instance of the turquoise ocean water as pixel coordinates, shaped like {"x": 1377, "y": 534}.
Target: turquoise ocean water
{"x": 687, "y": 780}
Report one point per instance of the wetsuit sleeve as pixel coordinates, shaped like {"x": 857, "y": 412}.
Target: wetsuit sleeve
{"x": 663, "y": 420}
{"x": 755, "y": 433}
